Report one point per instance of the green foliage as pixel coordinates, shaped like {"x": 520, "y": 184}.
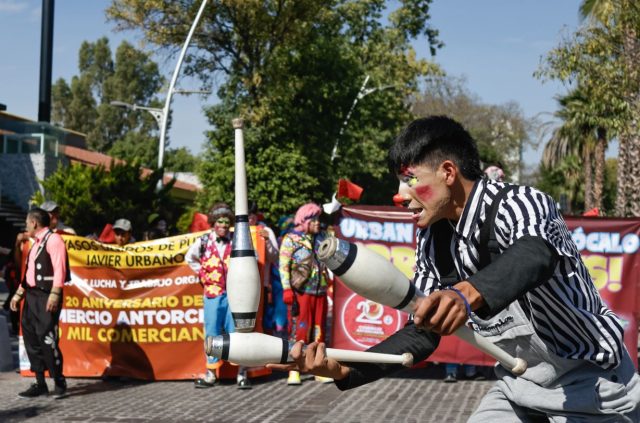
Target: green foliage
{"x": 292, "y": 70}
{"x": 180, "y": 160}
{"x": 500, "y": 130}
{"x": 602, "y": 63}
{"x": 131, "y": 77}
{"x": 91, "y": 197}
{"x": 565, "y": 179}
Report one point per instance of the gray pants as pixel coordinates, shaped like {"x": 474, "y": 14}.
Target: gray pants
{"x": 553, "y": 388}
{"x": 584, "y": 395}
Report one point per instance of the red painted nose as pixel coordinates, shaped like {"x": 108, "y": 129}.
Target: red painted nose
{"x": 399, "y": 200}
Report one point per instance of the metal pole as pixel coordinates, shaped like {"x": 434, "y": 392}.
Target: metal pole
{"x": 334, "y": 152}
{"x": 174, "y": 78}
{"x": 46, "y": 60}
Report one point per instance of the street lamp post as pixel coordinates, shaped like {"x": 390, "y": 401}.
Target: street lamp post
{"x": 161, "y": 115}
{"x": 172, "y": 84}
{"x": 364, "y": 91}
{"x": 155, "y": 112}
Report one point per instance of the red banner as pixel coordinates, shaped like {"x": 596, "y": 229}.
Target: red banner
{"x": 608, "y": 247}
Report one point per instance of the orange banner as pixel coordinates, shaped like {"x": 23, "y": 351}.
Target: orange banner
{"x": 132, "y": 311}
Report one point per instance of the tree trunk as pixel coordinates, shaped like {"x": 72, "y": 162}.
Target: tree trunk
{"x": 599, "y": 165}
{"x": 621, "y": 174}
{"x": 633, "y": 175}
{"x": 588, "y": 180}
{"x": 628, "y": 154}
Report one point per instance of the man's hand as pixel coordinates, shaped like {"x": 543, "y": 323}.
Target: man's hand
{"x": 53, "y": 303}
{"x": 313, "y": 359}
{"x": 263, "y": 233}
{"x": 15, "y": 302}
{"x": 441, "y": 312}
{"x": 444, "y": 311}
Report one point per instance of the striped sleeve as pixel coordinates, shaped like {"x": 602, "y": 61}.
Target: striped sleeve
{"x": 567, "y": 311}
{"x": 426, "y": 277}
{"x": 529, "y": 212}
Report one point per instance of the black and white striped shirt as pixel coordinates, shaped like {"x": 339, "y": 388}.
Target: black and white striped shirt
{"x": 566, "y": 310}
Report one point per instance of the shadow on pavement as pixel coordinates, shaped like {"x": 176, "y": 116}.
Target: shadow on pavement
{"x": 22, "y": 413}
{"x": 95, "y": 386}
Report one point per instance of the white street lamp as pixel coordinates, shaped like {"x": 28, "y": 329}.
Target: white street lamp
{"x": 155, "y": 112}
{"x": 161, "y": 115}
{"x": 172, "y": 84}
{"x": 364, "y": 91}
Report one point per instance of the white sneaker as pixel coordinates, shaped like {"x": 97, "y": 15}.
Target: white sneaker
{"x": 294, "y": 378}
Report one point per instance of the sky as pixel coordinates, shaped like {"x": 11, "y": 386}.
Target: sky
{"x": 495, "y": 44}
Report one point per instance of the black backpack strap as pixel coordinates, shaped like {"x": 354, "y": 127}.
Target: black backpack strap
{"x": 442, "y": 234}
{"x": 489, "y": 246}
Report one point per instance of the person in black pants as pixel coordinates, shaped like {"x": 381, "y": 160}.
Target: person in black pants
{"x": 41, "y": 288}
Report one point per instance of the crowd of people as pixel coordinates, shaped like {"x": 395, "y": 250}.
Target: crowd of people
{"x": 494, "y": 255}
{"x": 295, "y": 283}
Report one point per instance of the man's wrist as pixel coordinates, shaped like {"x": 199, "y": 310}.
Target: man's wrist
{"x": 472, "y": 295}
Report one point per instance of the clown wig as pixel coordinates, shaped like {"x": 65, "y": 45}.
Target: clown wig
{"x": 220, "y": 210}
{"x": 304, "y": 215}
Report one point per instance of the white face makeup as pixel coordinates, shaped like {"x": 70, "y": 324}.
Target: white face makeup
{"x": 426, "y": 192}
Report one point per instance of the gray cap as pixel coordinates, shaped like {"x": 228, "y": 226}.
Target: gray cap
{"x": 122, "y": 224}
{"x": 49, "y": 206}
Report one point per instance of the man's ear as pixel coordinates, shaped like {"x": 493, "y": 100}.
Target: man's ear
{"x": 449, "y": 171}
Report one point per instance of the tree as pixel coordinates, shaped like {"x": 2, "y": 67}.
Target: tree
{"x": 91, "y": 197}
{"x": 564, "y": 182}
{"x": 84, "y": 105}
{"x": 292, "y": 70}
{"x": 501, "y": 131}
{"x": 602, "y": 58}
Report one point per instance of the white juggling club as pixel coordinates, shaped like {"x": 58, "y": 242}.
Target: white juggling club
{"x": 258, "y": 349}
{"x": 372, "y": 276}
{"x": 243, "y": 278}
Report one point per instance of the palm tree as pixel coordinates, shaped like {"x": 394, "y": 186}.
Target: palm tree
{"x": 624, "y": 16}
{"x": 576, "y": 137}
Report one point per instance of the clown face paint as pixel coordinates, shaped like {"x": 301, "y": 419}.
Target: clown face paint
{"x": 427, "y": 193}
{"x": 221, "y": 227}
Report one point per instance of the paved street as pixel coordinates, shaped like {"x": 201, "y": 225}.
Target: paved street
{"x": 421, "y": 398}
{"x": 414, "y": 396}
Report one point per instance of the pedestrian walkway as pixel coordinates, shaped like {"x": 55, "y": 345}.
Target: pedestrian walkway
{"x": 417, "y": 395}
{"x": 420, "y": 398}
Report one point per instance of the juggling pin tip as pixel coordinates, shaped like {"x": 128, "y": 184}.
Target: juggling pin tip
{"x": 238, "y": 123}
{"x": 407, "y": 360}
{"x": 327, "y": 248}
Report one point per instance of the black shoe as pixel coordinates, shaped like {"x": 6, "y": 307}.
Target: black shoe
{"x": 35, "y": 390}
{"x": 450, "y": 378}
{"x": 244, "y": 383}
{"x": 203, "y": 384}
{"x": 60, "y": 390}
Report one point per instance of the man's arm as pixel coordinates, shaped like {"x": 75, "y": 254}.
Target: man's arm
{"x": 193, "y": 255}
{"x": 525, "y": 227}
{"x": 58, "y": 253}
{"x": 525, "y": 265}
{"x": 420, "y": 343}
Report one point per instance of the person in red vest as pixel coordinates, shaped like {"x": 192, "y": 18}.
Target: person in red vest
{"x": 209, "y": 256}
{"x": 46, "y": 272}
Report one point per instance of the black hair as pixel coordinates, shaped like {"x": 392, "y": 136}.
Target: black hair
{"x": 253, "y": 207}
{"x": 40, "y": 216}
{"x": 432, "y": 140}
